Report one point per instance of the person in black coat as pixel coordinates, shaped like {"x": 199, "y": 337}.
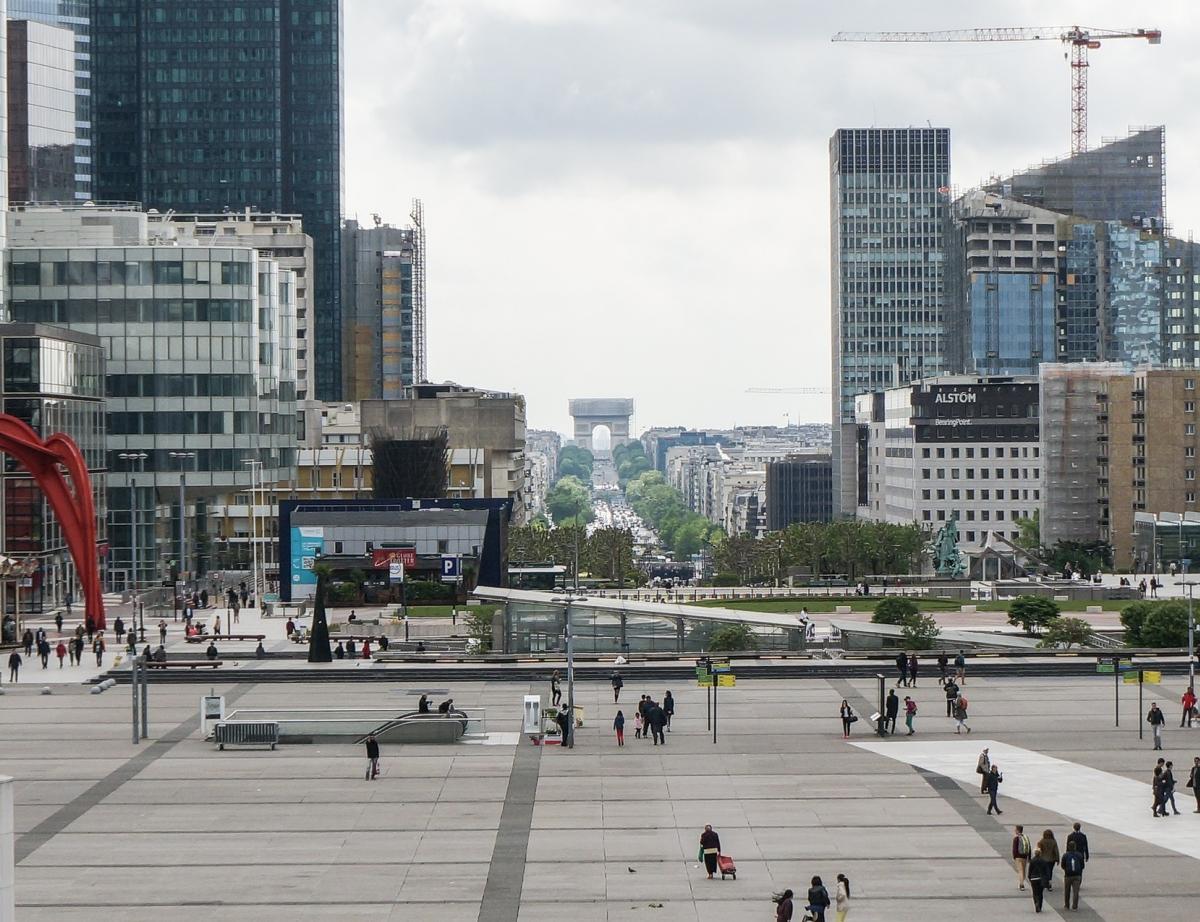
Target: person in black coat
{"x": 668, "y": 707}
{"x": 658, "y": 720}
{"x": 423, "y": 705}
{"x": 902, "y": 668}
{"x": 710, "y": 847}
{"x": 372, "y": 757}
{"x": 1077, "y": 841}
{"x": 891, "y": 709}
{"x": 994, "y": 778}
{"x": 1039, "y": 876}
{"x": 617, "y": 683}
{"x": 211, "y": 652}
{"x": 818, "y": 900}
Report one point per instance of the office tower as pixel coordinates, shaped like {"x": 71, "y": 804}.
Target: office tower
{"x": 75, "y": 16}
{"x": 207, "y": 105}
{"x": 799, "y": 489}
{"x": 199, "y": 346}
{"x": 888, "y": 208}
{"x": 383, "y": 301}
{"x": 41, "y": 112}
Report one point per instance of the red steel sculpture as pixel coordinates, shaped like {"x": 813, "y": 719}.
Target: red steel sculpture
{"x": 58, "y": 467}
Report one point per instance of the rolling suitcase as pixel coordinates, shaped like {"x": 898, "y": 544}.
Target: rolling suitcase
{"x": 726, "y": 866}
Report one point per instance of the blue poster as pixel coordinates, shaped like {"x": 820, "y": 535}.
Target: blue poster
{"x": 308, "y": 543}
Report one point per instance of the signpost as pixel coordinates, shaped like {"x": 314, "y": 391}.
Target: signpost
{"x": 451, "y": 569}
{"x": 712, "y": 674}
{"x": 1116, "y": 667}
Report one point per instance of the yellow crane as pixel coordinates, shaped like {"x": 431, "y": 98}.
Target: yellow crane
{"x": 1082, "y": 39}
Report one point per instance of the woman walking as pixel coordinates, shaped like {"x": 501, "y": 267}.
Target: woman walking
{"x": 555, "y": 690}
{"x": 783, "y": 906}
{"x": 1039, "y": 877}
{"x": 994, "y": 778}
{"x": 1048, "y": 846}
{"x": 910, "y": 711}
{"x": 960, "y": 714}
{"x": 710, "y": 848}
{"x": 841, "y": 900}
{"x": 619, "y": 726}
{"x": 847, "y": 713}
{"x": 668, "y": 707}
{"x": 818, "y": 900}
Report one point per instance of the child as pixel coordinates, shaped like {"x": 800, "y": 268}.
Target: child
{"x": 619, "y": 726}
{"x": 637, "y": 725}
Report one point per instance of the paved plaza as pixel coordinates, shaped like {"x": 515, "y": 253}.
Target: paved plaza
{"x": 172, "y": 828}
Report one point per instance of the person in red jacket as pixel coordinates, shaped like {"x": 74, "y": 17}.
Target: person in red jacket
{"x": 61, "y": 652}
{"x": 1189, "y": 704}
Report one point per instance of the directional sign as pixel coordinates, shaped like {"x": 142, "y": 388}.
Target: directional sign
{"x": 451, "y": 568}
{"x": 702, "y": 673}
{"x": 719, "y": 665}
{"x": 726, "y": 680}
{"x": 1105, "y": 668}
{"x": 704, "y": 680}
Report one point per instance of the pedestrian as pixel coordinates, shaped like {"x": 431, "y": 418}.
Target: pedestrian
{"x": 1169, "y": 788}
{"x": 90, "y": 627}
{"x": 668, "y": 707}
{"x": 98, "y": 648}
{"x": 891, "y": 708}
{"x": 658, "y": 720}
{"x": 372, "y": 757}
{"x": 351, "y": 649}
{"x": 217, "y": 626}
{"x": 44, "y": 652}
{"x": 1193, "y": 782}
{"x": 339, "y": 651}
{"x": 848, "y": 717}
{"x": 818, "y": 900}
{"x": 910, "y": 711}
{"x": 902, "y": 668}
{"x": 783, "y": 906}
{"x": 235, "y": 616}
{"x": 1156, "y": 720}
{"x": 943, "y": 662}
{"x": 841, "y": 899}
{"x": 211, "y": 652}
{"x": 1077, "y": 840}
{"x": 555, "y": 690}
{"x": 710, "y": 848}
{"x": 637, "y": 723}
{"x": 1072, "y": 865}
{"x": 1048, "y": 846}
{"x": 14, "y": 665}
{"x": 1039, "y": 877}
{"x": 960, "y": 714}
{"x": 643, "y": 708}
{"x": 79, "y": 650}
{"x": 617, "y": 683}
{"x": 1154, "y": 587}
{"x": 27, "y": 642}
{"x": 289, "y": 628}
{"x": 1158, "y": 789}
{"x": 983, "y": 765}
{"x": 119, "y": 627}
{"x": 1021, "y": 851}
{"x": 994, "y": 779}
{"x": 162, "y": 632}
{"x": 912, "y": 671}
{"x": 950, "y": 687}
{"x": 960, "y": 668}
{"x": 366, "y": 648}
{"x": 60, "y": 651}
{"x": 619, "y": 726}
{"x": 58, "y": 621}
{"x": 1189, "y": 706}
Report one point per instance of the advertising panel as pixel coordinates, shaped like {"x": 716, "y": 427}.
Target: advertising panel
{"x": 308, "y": 543}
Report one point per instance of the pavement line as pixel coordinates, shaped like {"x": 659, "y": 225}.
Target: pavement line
{"x": 63, "y": 817}
{"x": 1092, "y": 796}
{"x": 506, "y": 875}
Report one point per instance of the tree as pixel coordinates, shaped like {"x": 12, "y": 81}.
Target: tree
{"x": 1032, "y": 612}
{"x": 1029, "y": 537}
{"x": 1166, "y": 625}
{"x": 569, "y": 500}
{"x": 577, "y": 462}
{"x": 1133, "y": 618}
{"x": 318, "y": 638}
{"x": 733, "y": 637}
{"x": 920, "y": 631}
{"x": 479, "y": 628}
{"x": 1066, "y": 632}
{"x": 893, "y": 611}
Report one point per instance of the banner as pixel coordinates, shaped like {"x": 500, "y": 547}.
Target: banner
{"x": 308, "y": 543}
{"x": 382, "y": 556}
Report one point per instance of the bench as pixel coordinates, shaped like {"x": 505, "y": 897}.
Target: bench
{"x": 201, "y": 638}
{"x": 180, "y": 663}
{"x": 246, "y": 733}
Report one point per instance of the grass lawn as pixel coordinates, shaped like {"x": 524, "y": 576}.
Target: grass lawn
{"x": 857, "y": 603}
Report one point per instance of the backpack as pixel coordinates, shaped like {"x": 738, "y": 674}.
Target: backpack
{"x": 1073, "y": 864}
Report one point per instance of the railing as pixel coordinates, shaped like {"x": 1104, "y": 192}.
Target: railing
{"x": 346, "y": 722}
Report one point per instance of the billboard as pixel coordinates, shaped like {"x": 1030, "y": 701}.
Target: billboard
{"x": 382, "y": 556}
{"x": 308, "y": 543}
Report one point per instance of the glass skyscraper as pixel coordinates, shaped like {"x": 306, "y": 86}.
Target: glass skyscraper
{"x": 888, "y": 211}
{"x": 41, "y": 110}
{"x": 207, "y": 105}
{"x": 76, "y": 16}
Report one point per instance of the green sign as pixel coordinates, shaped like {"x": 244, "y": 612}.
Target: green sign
{"x": 1105, "y": 668}
{"x": 701, "y": 673}
{"x": 704, "y": 681}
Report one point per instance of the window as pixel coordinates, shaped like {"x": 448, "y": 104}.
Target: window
{"x": 926, "y": 515}
{"x": 970, "y": 515}
{"x": 983, "y": 453}
{"x": 985, "y": 515}
{"x": 985, "y": 494}
{"x": 970, "y": 494}
{"x": 970, "y": 452}
{"x": 999, "y": 451}
{"x": 337, "y": 547}
{"x": 924, "y": 452}
{"x": 970, "y": 534}
{"x": 954, "y": 494}
{"x": 1014, "y": 473}
{"x": 953, "y": 452}
{"x": 1189, "y": 384}
{"x": 941, "y": 494}
{"x": 1190, "y": 497}
{"x": 1189, "y": 473}
{"x": 941, "y": 473}
{"x": 924, "y": 494}
{"x": 941, "y": 515}
{"x": 924, "y": 473}
{"x": 1189, "y": 406}
{"x": 1189, "y": 429}
{"x": 941, "y": 452}
{"x": 1189, "y": 451}
{"x": 999, "y": 515}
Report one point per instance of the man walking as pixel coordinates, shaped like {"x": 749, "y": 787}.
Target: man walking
{"x": 891, "y": 709}
{"x": 372, "y": 757}
{"x": 902, "y": 668}
{"x": 14, "y": 665}
{"x": 912, "y": 671}
{"x": 1169, "y": 788}
{"x": 1072, "y": 865}
{"x": 994, "y": 778}
{"x": 951, "y": 688}
{"x": 1021, "y": 850}
{"x": 658, "y": 720}
{"x": 960, "y": 667}
{"x": 1193, "y": 782}
{"x": 943, "y": 662}
{"x": 616, "y": 685}
{"x": 1077, "y": 840}
{"x": 1156, "y": 720}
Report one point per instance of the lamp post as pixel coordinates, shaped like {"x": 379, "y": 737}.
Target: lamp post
{"x": 182, "y": 456}
{"x": 255, "y": 478}
{"x": 138, "y": 458}
{"x": 1191, "y": 654}
{"x": 570, "y": 597}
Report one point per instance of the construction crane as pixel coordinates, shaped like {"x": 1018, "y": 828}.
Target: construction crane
{"x": 1082, "y": 39}
{"x": 818, "y": 391}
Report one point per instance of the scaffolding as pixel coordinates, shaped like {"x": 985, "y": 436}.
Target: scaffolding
{"x": 418, "y": 218}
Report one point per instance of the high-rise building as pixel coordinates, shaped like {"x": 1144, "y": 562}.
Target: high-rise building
{"x": 383, "y": 301}
{"x": 799, "y": 489}
{"x": 888, "y": 205}
{"x": 198, "y": 340}
{"x": 75, "y": 15}
{"x": 41, "y": 112}
{"x": 207, "y": 105}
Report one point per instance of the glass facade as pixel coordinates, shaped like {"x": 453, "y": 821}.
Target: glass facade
{"x": 74, "y": 15}
{"x": 200, "y": 346}
{"x": 41, "y": 112}
{"x": 203, "y": 105}
{"x": 1134, "y": 261}
{"x": 53, "y": 381}
{"x": 1012, "y": 321}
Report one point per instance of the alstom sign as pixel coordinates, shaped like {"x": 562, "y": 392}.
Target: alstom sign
{"x": 955, "y": 397}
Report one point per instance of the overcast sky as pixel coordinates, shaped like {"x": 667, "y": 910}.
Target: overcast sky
{"x": 630, "y": 198}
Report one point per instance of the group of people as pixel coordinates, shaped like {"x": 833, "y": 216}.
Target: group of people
{"x": 1162, "y": 785}
{"x": 816, "y": 901}
{"x": 1036, "y": 864}
{"x": 650, "y": 721}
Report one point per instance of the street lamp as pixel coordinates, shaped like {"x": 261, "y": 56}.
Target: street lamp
{"x": 1191, "y": 653}
{"x": 138, "y": 458}
{"x": 567, "y": 600}
{"x": 255, "y": 477}
{"x": 181, "y": 457}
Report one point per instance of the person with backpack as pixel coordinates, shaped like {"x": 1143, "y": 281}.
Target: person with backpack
{"x": 1077, "y": 840}
{"x": 960, "y": 714}
{"x": 818, "y": 900}
{"x": 1072, "y": 865}
{"x": 1156, "y": 719}
{"x": 1021, "y": 851}
{"x": 960, "y": 667}
{"x": 951, "y": 689}
{"x": 910, "y": 711}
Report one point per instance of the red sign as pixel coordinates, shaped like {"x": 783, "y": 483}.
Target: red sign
{"x": 381, "y": 557}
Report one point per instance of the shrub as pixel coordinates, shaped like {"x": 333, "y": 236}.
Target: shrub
{"x": 1133, "y": 617}
{"x": 1063, "y": 632}
{"x": 733, "y": 637}
{"x": 920, "y": 631}
{"x": 1032, "y": 612}
{"x": 893, "y": 611}
{"x": 1166, "y": 626}
{"x": 726, "y": 579}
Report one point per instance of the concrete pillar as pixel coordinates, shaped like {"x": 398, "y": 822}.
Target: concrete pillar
{"x": 8, "y": 912}
{"x": 679, "y": 635}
